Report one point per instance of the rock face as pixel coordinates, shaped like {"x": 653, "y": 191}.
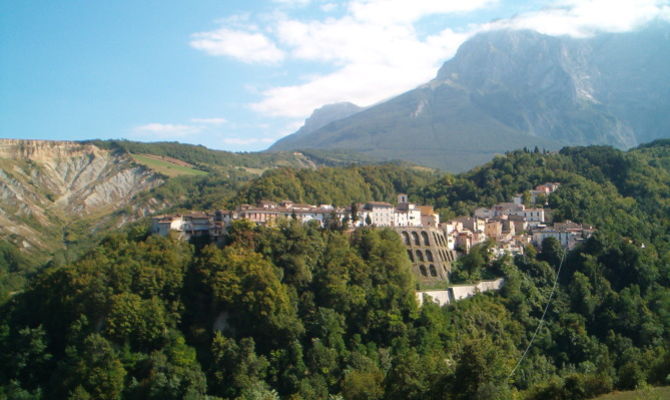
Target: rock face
{"x": 45, "y": 185}
{"x": 508, "y": 89}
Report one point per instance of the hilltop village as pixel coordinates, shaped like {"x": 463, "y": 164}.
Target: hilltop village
{"x": 432, "y": 245}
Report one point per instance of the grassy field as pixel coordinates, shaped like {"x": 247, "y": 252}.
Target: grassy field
{"x": 165, "y": 167}
{"x": 651, "y": 393}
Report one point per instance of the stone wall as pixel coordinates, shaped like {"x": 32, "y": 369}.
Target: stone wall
{"x": 458, "y": 292}
{"x": 427, "y": 250}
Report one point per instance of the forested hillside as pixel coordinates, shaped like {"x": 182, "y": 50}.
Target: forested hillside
{"x": 211, "y": 160}
{"x": 57, "y": 199}
{"x": 300, "y": 312}
{"x": 338, "y": 186}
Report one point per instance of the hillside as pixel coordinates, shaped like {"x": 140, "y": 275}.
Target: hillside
{"x": 205, "y": 159}
{"x": 505, "y": 90}
{"x": 57, "y": 199}
{"x": 45, "y": 187}
{"x": 299, "y": 312}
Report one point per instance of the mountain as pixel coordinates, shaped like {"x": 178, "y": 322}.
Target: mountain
{"x": 320, "y": 117}
{"x": 509, "y": 89}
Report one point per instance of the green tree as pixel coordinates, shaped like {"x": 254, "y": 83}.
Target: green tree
{"x": 93, "y": 369}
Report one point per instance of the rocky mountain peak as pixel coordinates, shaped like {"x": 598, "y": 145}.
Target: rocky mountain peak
{"x": 521, "y": 60}
{"x": 506, "y": 89}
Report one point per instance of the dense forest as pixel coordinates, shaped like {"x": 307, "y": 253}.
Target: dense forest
{"x": 301, "y": 312}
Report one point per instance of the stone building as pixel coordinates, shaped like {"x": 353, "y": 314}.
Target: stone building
{"x": 428, "y": 251}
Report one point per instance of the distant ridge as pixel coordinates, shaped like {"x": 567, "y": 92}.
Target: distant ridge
{"x": 320, "y": 117}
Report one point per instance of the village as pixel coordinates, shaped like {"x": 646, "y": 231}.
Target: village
{"x": 511, "y": 226}
{"x": 432, "y": 246}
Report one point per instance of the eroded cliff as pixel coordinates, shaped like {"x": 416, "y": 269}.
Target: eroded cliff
{"x": 47, "y": 185}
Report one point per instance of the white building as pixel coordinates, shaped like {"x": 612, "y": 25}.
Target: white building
{"x": 406, "y": 213}
{"x": 534, "y": 216}
{"x": 162, "y": 225}
{"x": 380, "y": 213}
{"x": 568, "y": 233}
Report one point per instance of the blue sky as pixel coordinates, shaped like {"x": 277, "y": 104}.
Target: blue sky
{"x": 238, "y": 75}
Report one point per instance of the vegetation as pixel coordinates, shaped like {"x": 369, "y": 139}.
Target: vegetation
{"x": 14, "y": 270}
{"x": 301, "y": 312}
{"x": 166, "y": 167}
{"x": 339, "y": 186}
{"x": 647, "y": 393}
{"x": 208, "y": 159}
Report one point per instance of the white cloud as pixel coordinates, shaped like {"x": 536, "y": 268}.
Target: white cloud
{"x": 165, "y": 131}
{"x": 328, "y": 7}
{"x": 209, "y": 121}
{"x": 250, "y": 47}
{"x": 583, "y": 18}
{"x": 375, "y": 51}
{"x": 375, "y": 62}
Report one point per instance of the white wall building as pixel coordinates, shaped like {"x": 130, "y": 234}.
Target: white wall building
{"x": 380, "y": 213}
{"x": 407, "y": 214}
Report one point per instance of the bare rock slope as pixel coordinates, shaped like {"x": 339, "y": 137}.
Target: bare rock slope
{"x": 46, "y": 185}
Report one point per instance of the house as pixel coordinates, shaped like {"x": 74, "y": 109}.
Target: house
{"x": 380, "y": 213}
{"x": 406, "y": 213}
{"x": 534, "y": 216}
{"x": 493, "y": 229}
{"x": 195, "y": 224}
{"x": 474, "y": 224}
{"x": 464, "y": 241}
{"x": 520, "y": 223}
{"x": 501, "y": 209}
{"x": 163, "y": 224}
{"x": 543, "y": 190}
{"x": 429, "y": 217}
{"x": 568, "y": 233}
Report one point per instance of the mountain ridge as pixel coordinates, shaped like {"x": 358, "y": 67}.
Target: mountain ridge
{"x": 508, "y": 89}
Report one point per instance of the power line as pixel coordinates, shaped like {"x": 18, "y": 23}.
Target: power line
{"x": 544, "y": 313}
